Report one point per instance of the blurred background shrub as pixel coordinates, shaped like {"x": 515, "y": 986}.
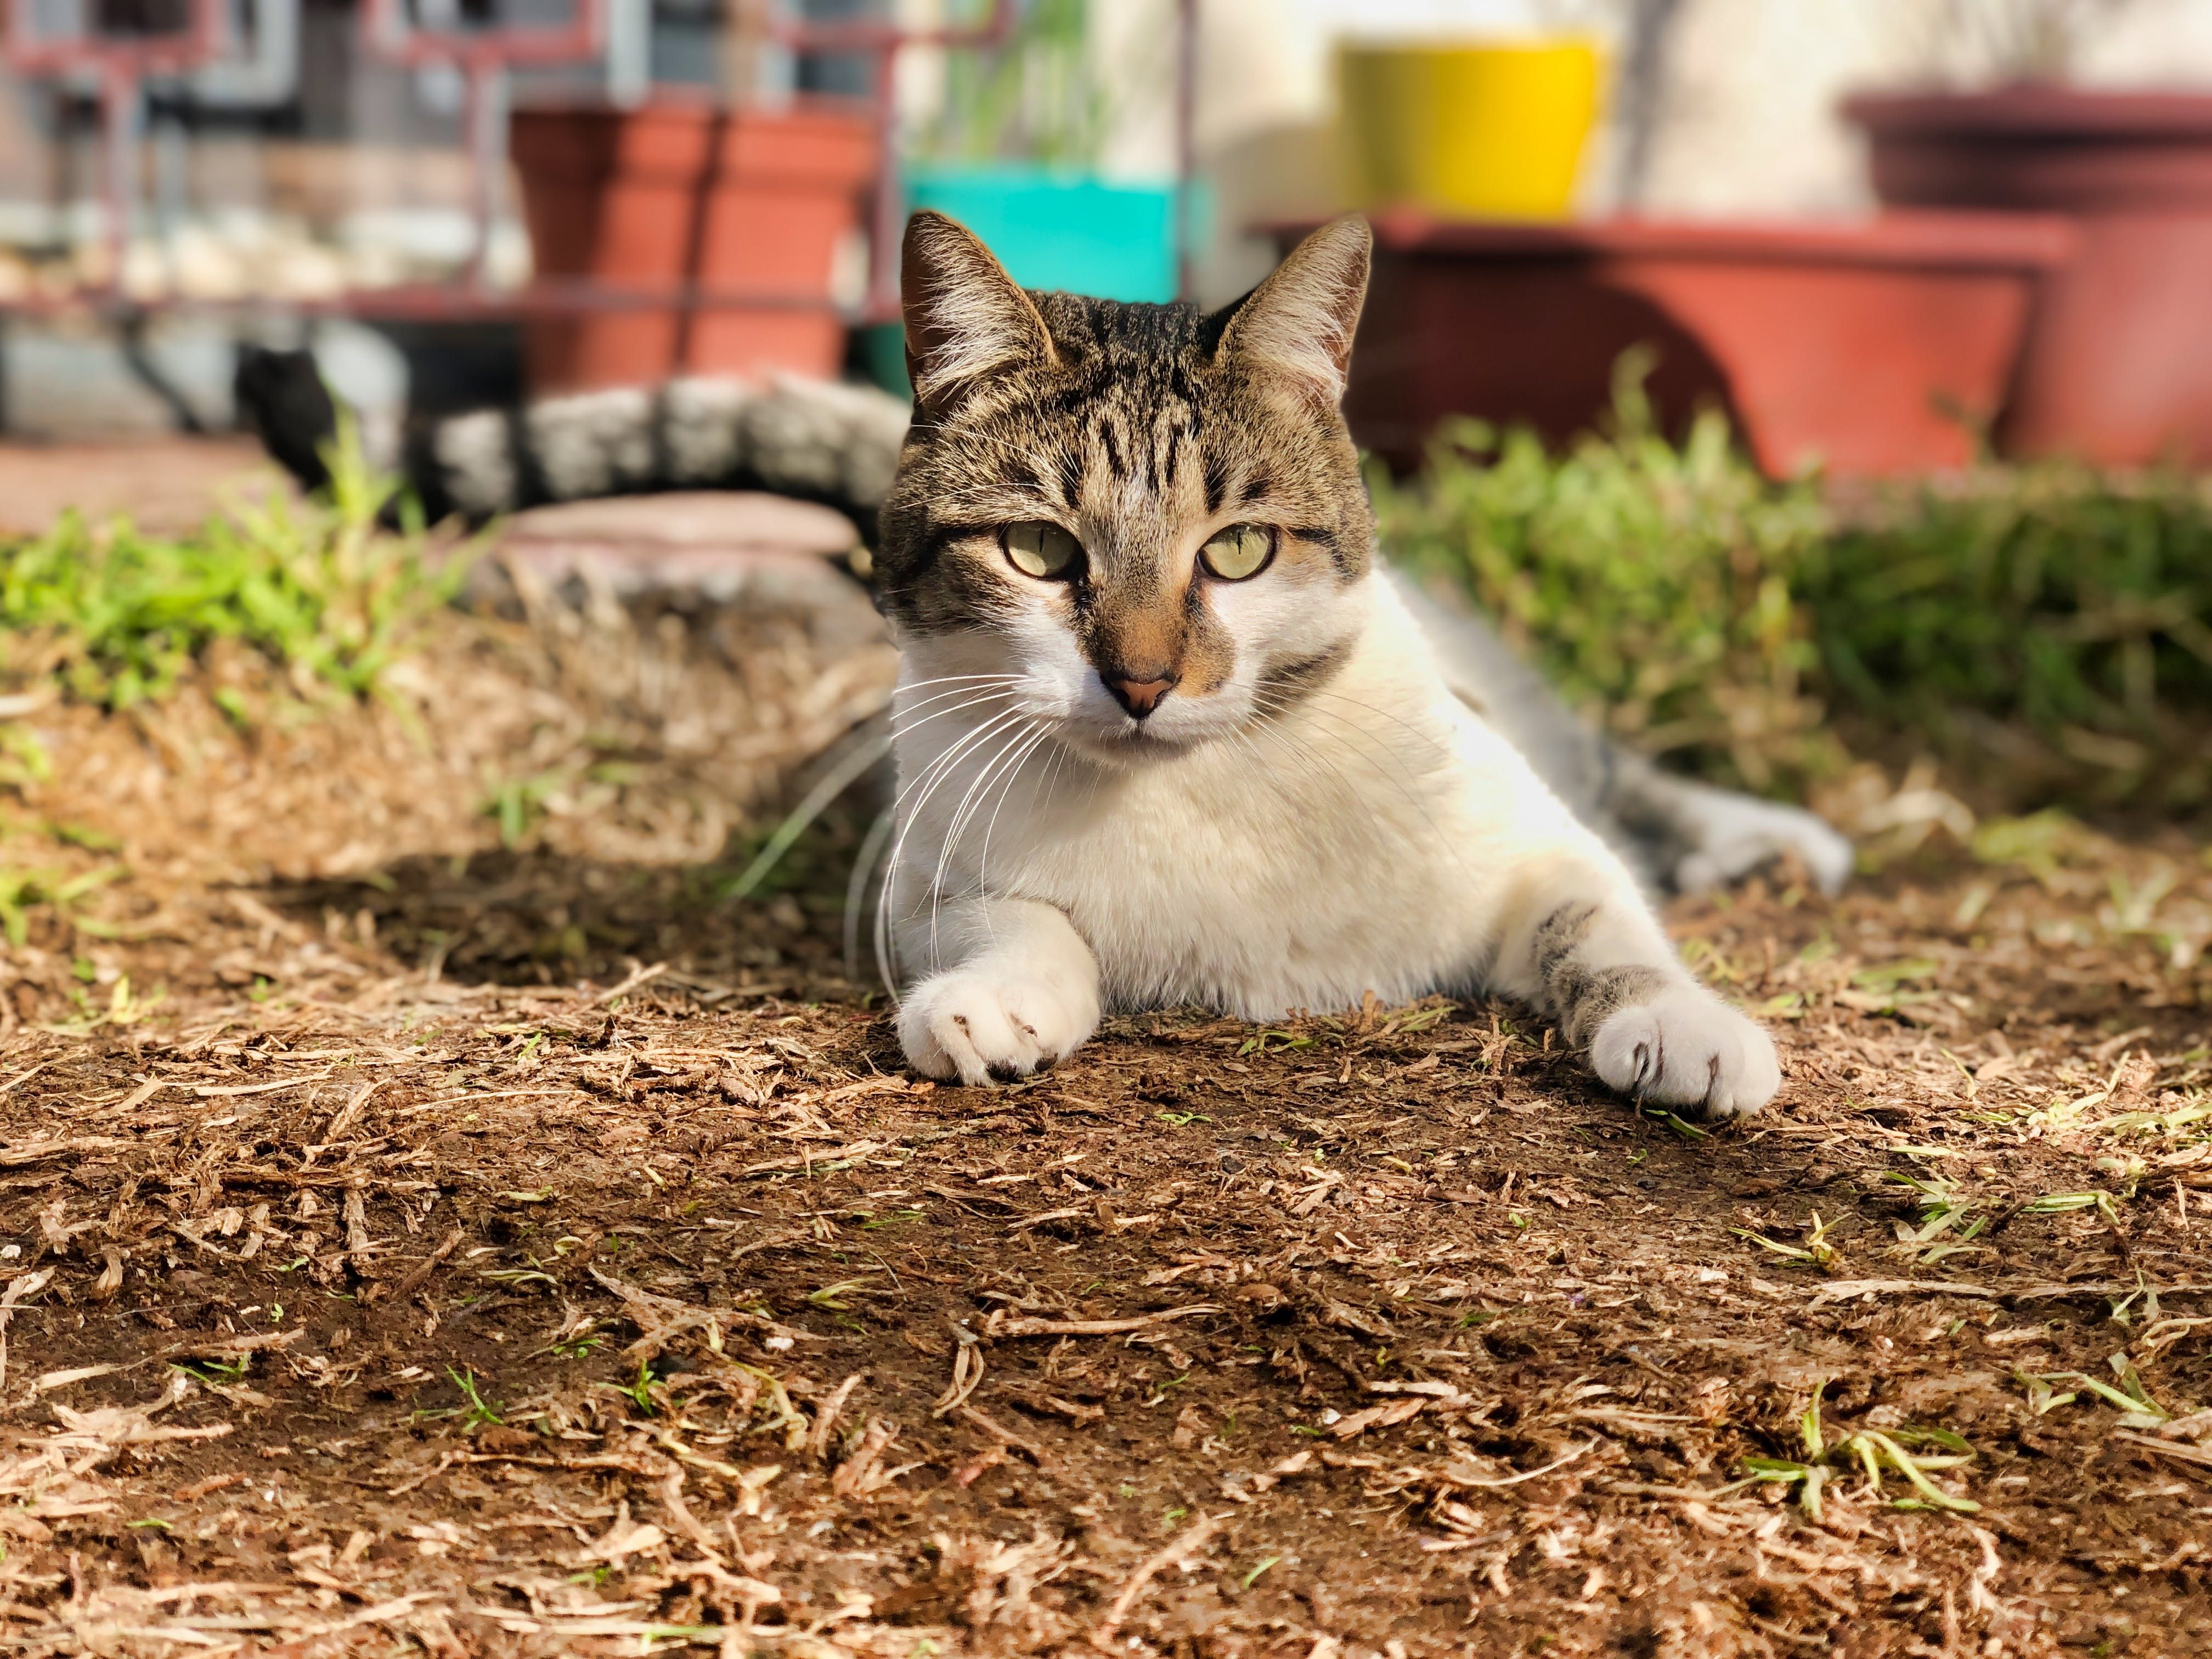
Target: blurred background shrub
{"x": 116, "y": 615}
{"x": 2045, "y": 631}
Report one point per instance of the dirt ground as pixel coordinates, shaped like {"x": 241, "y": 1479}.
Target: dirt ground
{"x": 433, "y": 1218}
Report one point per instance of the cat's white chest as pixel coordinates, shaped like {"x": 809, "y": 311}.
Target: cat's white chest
{"x": 1289, "y": 874}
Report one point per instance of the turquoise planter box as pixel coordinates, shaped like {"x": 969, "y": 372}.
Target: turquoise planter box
{"x": 1061, "y": 230}
{"x": 1050, "y": 230}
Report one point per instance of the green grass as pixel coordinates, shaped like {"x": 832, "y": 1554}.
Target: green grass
{"x": 1829, "y": 1458}
{"x": 321, "y": 592}
{"x": 2045, "y": 630}
{"x": 1652, "y": 580}
{"x": 20, "y": 890}
{"x": 2060, "y": 602}
{"x": 114, "y": 616}
{"x": 475, "y": 1408}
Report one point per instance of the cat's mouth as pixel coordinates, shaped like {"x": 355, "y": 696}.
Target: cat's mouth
{"x": 1161, "y": 735}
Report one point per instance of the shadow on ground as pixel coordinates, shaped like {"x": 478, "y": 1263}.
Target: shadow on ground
{"x": 539, "y": 918}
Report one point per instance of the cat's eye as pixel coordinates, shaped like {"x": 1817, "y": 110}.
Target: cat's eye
{"x": 1240, "y": 551}
{"x": 1040, "y": 549}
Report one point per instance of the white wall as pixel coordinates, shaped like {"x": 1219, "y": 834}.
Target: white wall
{"x": 1747, "y": 120}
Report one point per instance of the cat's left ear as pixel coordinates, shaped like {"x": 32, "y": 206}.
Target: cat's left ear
{"x": 965, "y": 318}
{"x": 1301, "y": 320}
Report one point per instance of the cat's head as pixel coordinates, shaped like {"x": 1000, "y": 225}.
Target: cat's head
{"x": 1149, "y": 519}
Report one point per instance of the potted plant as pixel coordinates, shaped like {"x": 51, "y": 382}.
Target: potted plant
{"x": 1013, "y": 154}
{"x": 1867, "y": 349}
{"x": 680, "y": 192}
{"x": 2117, "y": 368}
{"x": 1494, "y": 128}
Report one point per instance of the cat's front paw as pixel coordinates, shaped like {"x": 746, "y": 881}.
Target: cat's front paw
{"x": 975, "y": 1025}
{"x": 1686, "y": 1047}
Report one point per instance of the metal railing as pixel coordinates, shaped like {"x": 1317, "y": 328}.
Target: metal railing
{"x": 117, "y": 64}
{"x": 487, "y": 55}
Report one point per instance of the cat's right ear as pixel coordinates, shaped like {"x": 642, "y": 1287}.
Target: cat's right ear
{"x": 965, "y": 318}
{"x": 1300, "y": 321}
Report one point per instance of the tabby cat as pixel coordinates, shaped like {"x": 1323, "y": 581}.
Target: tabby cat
{"x": 1167, "y": 734}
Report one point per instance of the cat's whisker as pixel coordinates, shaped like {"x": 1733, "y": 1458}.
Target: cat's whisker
{"x": 1041, "y": 798}
{"x": 1309, "y": 766}
{"x": 985, "y": 777}
{"x": 932, "y": 776}
{"x": 904, "y": 693}
{"x": 1060, "y": 752}
{"x": 948, "y": 679}
{"x": 1006, "y": 790}
{"x": 1400, "y": 780}
{"x": 1372, "y": 747}
{"x": 1308, "y": 756}
{"x": 984, "y": 774}
{"x": 941, "y": 768}
{"x": 957, "y": 748}
{"x": 1428, "y": 739}
{"x": 904, "y": 700}
{"x": 946, "y": 843}
{"x": 856, "y": 890}
{"x": 1319, "y": 768}
{"x": 1366, "y": 746}
{"x": 902, "y": 726}
{"x": 1358, "y": 745}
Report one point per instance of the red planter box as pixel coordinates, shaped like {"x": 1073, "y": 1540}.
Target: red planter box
{"x": 1870, "y": 347}
{"x": 674, "y": 195}
{"x": 2118, "y": 366}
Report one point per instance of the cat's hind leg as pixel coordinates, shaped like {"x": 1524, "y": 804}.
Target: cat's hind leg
{"x": 1699, "y": 837}
{"x": 1684, "y": 836}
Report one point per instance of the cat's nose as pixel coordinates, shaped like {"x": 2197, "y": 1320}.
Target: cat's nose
{"x": 1140, "y": 692}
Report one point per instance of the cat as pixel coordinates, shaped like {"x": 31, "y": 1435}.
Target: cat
{"x": 1386, "y": 768}
{"x": 1167, "y": 734}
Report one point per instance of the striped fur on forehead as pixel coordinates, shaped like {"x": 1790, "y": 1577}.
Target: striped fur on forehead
{"x": 1135, "y": 427}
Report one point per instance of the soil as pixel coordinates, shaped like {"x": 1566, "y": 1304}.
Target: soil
{"x": 446, "y": 1233}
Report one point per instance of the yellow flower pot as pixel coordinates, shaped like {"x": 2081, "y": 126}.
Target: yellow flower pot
{"x": 1468, "y": 132}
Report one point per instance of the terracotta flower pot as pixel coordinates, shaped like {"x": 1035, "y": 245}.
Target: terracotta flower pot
{"x": 2118, "y": 366}
{"x": 679, "y": 194}
{"x": 1871, "y": 348}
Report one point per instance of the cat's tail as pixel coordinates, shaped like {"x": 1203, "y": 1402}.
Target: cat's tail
{"x": 280, "y": 395}
{"x": 818, "y": 439}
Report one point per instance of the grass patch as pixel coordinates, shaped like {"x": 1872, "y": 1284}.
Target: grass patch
{"x": 114, "y": 616}
{"x": 2048, "y": 601}
{"x": 1868, "y": 1453}
{"x": 2046, "y": 630}
{"x": 476, "y": 1410}
{"x": 323, "y": 593}
{"x": 23, "y": 890}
